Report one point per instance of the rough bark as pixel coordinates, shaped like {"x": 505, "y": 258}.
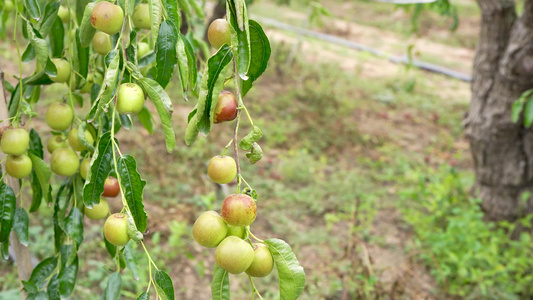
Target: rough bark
{"x": 22, "y": 253}
{"x": 503, "y": 70}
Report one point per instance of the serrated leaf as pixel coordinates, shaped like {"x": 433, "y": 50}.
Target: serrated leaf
{"x": 105, "y": 96}
{"x": 42, "y": 271}
{"x": 57, "y": 37}
{"x": 146, "y": 119}
{"x": 21, "y": 225}
{"x": 144, "y": 296}
{"x": 33, "y": 9}
{"x": 253, "y": 136}
{"x": 50, "y": 16}
{"x": 166, "y": 58}
{"x": 220, "y": 284}
{"x": 154, "y": 7}
{"x": 74, "y": 225}
{"x": 528, "y": 113}
{"x": 87, "y": 30}
{"x": 133, "y": 186}
{"x": 163, "y": 285}
{"x": 37, "y": 194}
{"x": 114, "y": 285}
{"x": 68, "y": 271}
{"x": 101, "y": 165}
{"x": 260, "y": 54}
{"x": 40, "y": 47}
{"x": 81, "y": 65}
{"x": 191, "y": 62}
{"x": 53, "y": 288}
{"x": 240, "y": 35}
{"x": 171, "y": 7}
{"x": 290, "y": 272}
{"x": 164, "y": 109}
{"x": 131, "y": 261}
{"x": 42, "y": 171}
{"x": 210, "y": 87}
{"x": 35, "y": 143}
{"x": 29, "y": 54}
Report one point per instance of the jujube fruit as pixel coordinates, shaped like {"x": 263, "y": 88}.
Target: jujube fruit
{"x": 98, "y": 211}
{"x": 116, "y": 229}
{"x": 239, "y": 210}
{"x": 84, "y": 168}
{"x": 263, "y": 262}
{"x": 130, "y": 99}
{"x": 64, "y": 161}
{"x": 209, "y": 229}
{"x": 74, "y": 140}
{"x": 15, "y": 141}
{"x": 18, "y": 166}
{"x": 102, "y": 43}
{"x": 237, "y": 231}
{"x": 226, "y": 108}
{"x": 63, "y": 70}
{"x": 142, "y": 49}
{"x": 141, "y": 16}
{"x": 234, "y": 255}
{"x": 56, "y": 142}
{"x": 222, "y": 169}
{"x": 111, "y": 187}
{"x": 107, "y": 17}
{"x": 64, "y": 14}
{"x": 59, "y": 116}
{"x": 218, "y": 33}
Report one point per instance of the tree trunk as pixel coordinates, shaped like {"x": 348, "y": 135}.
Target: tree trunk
{"x": 503, "y": 70}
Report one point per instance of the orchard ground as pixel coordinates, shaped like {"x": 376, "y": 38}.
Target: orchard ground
{"x": 347, "y": 137}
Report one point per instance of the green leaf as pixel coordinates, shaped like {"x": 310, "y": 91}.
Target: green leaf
{"x": 29, "y": 54}
{"x": 144, "y": 296}
{"x": 42, "y": 171}
{"x": 146, "y": 119}
{"x": 80, "y": 9}
{"x": 164, "y": 109}
{"x": 210, "y": 87}
{"x": 81, "y": 137}
{"x": 101, "y": 165}
{"x": 40, "y": 47}
{"x": 131, "y": 261}
{"x": 33, "y": 9}
{"x": 82, "y": 64}
{"x": 290, "y": 272}
{"x": 166, "y": 58}
{"x": 111, "y": 249}
{"x": 155, "y": 18}
{"x": 191, "y": 62}
{"x": 35, "y": 143}
{"x": 5, "y": 250}
{"x": 260, "y": 54}
{"x": 133, "y": 186}
{"x": 171, "y": 7}
{"x": 69, "y": 272}
{"x": 53, "y": 288}
{"x": 528, "y": 113}
{"x": 105, "y": 96}
{"x": 74, "y": 225}
{"x": 240, "y": 35}
{"x": 114, "y": 285}
{"x": 220, "y": 284}
{"x": 163, "y": 285}
{"x": 87, "y": 30}
{"x": 42, "y": 271}
{"x": 253, "y": 136}
{"x": 191, "y": 132}
{"x": 256, "y": 154}
{"x": 21, "y": 225}
{"x": 50, "y": 16}
{"x": 37, "y": 194}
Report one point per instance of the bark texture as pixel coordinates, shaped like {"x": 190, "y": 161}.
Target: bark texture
{"x": 503, "y": 70}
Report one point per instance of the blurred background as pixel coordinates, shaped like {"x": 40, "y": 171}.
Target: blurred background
{"x": 366, "y": 171}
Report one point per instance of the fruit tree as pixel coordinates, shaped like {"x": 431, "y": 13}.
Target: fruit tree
{"x": 115, "y": 58}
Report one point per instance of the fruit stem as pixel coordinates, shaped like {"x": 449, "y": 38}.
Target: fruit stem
{"x": 239, "y": 99}
{"x": 254, "y": 289}
{"x": 226, "y": 148}
{"x": 256, "y": 238}
{"x": 148, "y": 255}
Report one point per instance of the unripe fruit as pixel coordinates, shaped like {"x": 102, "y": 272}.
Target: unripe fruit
{"x": 59, "y": 116}
{"x": 64, "y": 161}
{"x": 141, "y": 16}
{"x": 234, "y": 255}
{"x": 102, "y": 43}
{"x": 237, "y": 231}
{"x": 56, "y": 142}
{"x": 130, "y": 99}
{"x": 64, "y": 14}
{"x": 18, "y": 166}
{"x": 111, "y": 187}
{"x": 209, "y": 229}
{"x": 142, "y": 49}
{"x": 63, "y": 70}
{"x": 15, "y": 141}
{"x": 74, "y": 140}
{"x": 218, "y": 33}
{"x": 263, "y": 262}
{"x": 84, "y": 168}
{"x": 107, "y": 17}
{"x": 116, "y": 229}
{"x": 226, "y": 109}
{"x": 99, "y": 211}
{"x": 8, "y": 6}
{"x": 239, "y": 210}
{"x": 222, "y": 169}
